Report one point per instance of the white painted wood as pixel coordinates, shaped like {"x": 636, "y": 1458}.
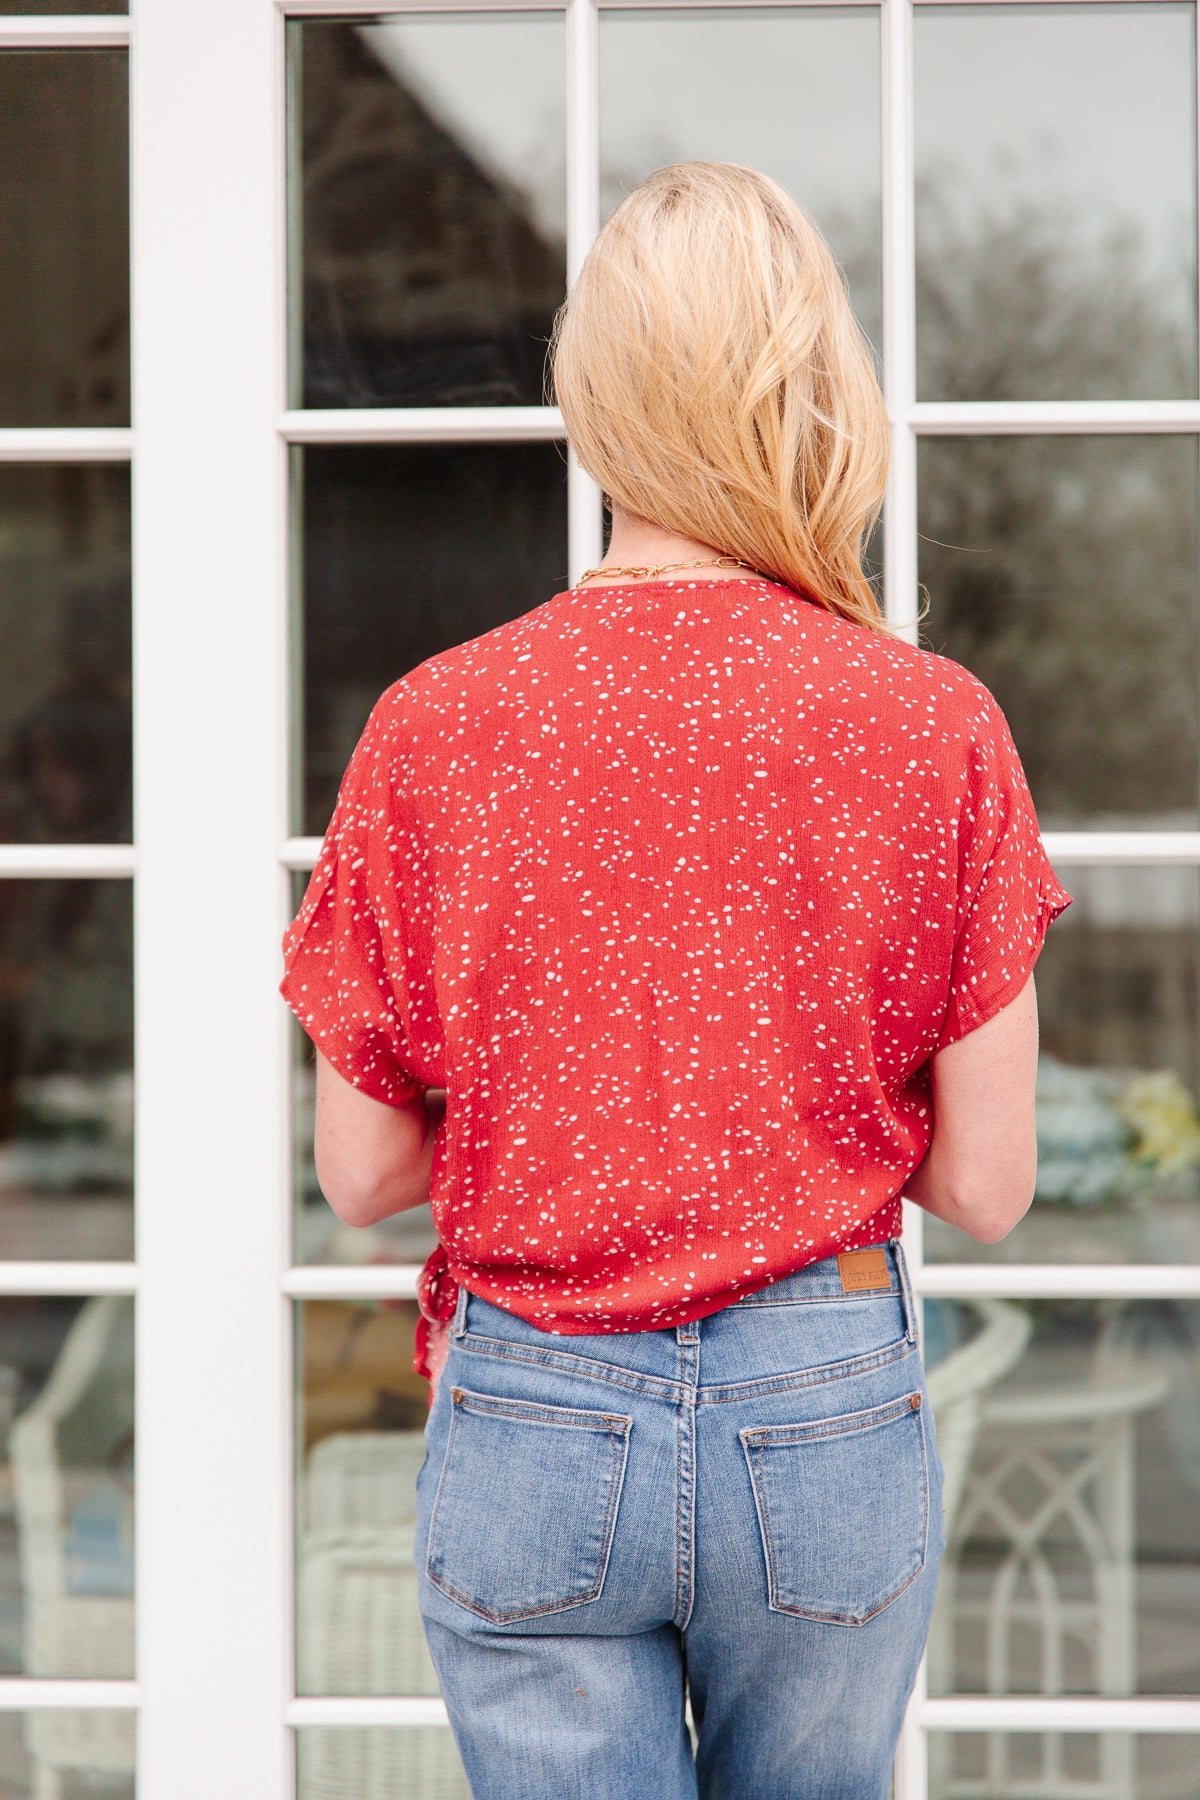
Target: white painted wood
{"x": 347, "y": 9}
{"x": 366, "y": 1712}
{"x": 982, "y": 1713}
{"x": 900, "y": 579}
{"x": 65, "y": 443}
{"x": 327, "y": 9}
{"x": 901, "y": 591}
{"x": 954, "y": 418}
{"x": 423, "y": 425}
{"x": 1122, "y": 846}
{"x": 371, "y": 1281}
{"x": 64, "y": 31}
{"x": 210, "y": 696}
{"x": 58, "y": 861}
{"x": 42, "y": 1695}
{"x": 1031, "y": 1281}
{"x": 68, "y": 1278}
{"x": 300, "y": 853}
{"x": 585, "y": 518}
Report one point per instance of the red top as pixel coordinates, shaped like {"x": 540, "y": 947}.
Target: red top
{"x": 675, "y": 889}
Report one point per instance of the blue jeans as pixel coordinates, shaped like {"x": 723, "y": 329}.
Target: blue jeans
{"x": 748, "y": 1508}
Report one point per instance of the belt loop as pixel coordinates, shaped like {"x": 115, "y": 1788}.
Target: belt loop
{"x": 459, "y": 1326}
{"x": 906, "y": 1293}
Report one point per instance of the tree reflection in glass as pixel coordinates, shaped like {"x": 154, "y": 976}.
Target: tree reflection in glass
{"x": 1056, "y": 202}
{"x": 1063, "y": 572}
{"x": 427, "y": 209}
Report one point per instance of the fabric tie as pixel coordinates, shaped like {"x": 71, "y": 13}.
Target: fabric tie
{"x": 437, "y": 1298}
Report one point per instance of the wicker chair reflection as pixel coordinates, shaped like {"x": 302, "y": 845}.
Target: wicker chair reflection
{"x": 59, "y": 1448}
{"x": 958, "y": 1384}
{"x": 1050, "y": 1493}
{"x": 359, "y": 1627}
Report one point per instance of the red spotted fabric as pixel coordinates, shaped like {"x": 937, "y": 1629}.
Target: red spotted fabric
{"x": 675, "y": 889}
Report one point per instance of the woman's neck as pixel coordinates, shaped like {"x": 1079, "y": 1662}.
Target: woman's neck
{"x": 636, "y": 543}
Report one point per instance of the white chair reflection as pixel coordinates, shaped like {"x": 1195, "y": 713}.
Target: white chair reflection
{"x": 1049, "y": 1605}
{"x": 359, "y": 1627}
{"x": 73, "y": 1546}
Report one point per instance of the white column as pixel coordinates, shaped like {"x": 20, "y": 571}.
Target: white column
{"x": 209, "y": 617}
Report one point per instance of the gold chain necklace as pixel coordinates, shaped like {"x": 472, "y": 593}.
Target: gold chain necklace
{"x": 707, "y": 562}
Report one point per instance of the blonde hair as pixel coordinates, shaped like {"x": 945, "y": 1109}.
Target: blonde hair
{"x": 715, "y": 382}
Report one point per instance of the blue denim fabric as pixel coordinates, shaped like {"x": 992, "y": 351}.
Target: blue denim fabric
{"x": 749, "y": 1505}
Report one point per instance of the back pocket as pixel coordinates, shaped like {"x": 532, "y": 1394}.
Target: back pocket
{"x": 526, "y": 1505}
{"x": 843, "y": 1509}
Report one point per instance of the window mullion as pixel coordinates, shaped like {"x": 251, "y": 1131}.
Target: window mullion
{"x": 585, "y": 541}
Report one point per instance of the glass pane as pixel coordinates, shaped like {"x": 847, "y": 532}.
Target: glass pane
{"x": 65, "y": 723}
{"x": 407, "y": 550}
{"x": 64, "y": 237}
{"x": 360, "y": 1442}
{"x": 1118, "y": 1080}
{"x": 1063, "y": 571}
{"x": 89, "y": 1755}
{"x": 66, "y": 1069}
{"x": 794, "y": 93}
{"x": 66, "y": 1530}
{"x": 993, "y": 1765}
{"x": 1056, "y": 202}
{"x": 318, "y": 1235}
{"x": 428, "y": 209}
{"x": 1071, "y": 1440}
{"x": 412, "y": 1764}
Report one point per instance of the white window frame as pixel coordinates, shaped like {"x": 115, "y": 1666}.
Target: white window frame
{"x": 213, "y": 1279}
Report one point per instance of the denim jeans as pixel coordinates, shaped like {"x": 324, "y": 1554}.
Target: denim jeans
{"x": 747, "y": 1508}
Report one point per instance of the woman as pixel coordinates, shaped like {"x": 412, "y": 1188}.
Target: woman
{"x": 713, "y": 908}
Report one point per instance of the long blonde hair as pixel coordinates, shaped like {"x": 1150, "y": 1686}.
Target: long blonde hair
{"x": 715, "y": 381}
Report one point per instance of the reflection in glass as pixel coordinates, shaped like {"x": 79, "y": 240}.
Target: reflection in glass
{"x": 318, "y": 1235}
{"x": 66, "y": 1069}
{"x": 64, "y": 237}
{"x": 428, "y": 209}
{"x": 65, "y": 671}
{"x": 1063, "y": 572}
{"x": 66, "y": 1534}
{"x": 1118, "y": 987}
{"x": 93, "y": 1750}
{"x": 360, "y": 1442}
{"x": 794, "y": 93}
{"x": 1056, "y": 212}
{"x": 990, "y": 1765}
{"x": 1073, "y": 1501}
{"x": 410, "y": 1764}
{"x": 407, "y": 550}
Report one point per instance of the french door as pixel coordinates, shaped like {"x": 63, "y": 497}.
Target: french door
{"x": 295, "y": 441}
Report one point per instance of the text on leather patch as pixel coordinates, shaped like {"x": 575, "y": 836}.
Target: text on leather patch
{"x": 861, "y": 1269}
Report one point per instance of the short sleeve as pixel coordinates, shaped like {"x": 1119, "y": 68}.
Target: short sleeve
{"x": 1008, "y": 894}
{"x": 338, "y": 979}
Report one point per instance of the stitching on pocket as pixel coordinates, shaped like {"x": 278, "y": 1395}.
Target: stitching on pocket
{"x": 842, "y": 1425}
{"x": 617, "y": 1426}
{"x": 534, "y": 1412}
{"x": 757, "y": 1439}
{"x": 820, "y": 1376}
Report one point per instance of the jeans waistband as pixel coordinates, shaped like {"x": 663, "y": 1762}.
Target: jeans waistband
{"x": 819, "y": 1281}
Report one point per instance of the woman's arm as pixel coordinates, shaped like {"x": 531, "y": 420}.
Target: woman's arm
{"x": 980, "y": 1171}
{"x": 372, "y": 1160}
